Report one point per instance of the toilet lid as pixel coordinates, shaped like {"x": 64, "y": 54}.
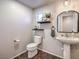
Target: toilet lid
{"x": 32, "y": 45}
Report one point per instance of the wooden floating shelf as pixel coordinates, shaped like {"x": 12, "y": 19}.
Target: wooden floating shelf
{"x": 42, "y": 22}
{"x": 38, "y": 29}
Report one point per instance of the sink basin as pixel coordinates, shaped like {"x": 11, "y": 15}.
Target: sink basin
{"x": 68, "y": 40}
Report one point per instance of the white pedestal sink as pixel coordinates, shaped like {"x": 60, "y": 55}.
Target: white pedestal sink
{"x": 67, "y": 41}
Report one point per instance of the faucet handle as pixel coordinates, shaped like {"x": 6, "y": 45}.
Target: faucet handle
{"x": 62, "y": 35}
{"x": 66, "y": 34}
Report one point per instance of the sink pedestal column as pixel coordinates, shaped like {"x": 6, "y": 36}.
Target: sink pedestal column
{"x": 66, "y": 51}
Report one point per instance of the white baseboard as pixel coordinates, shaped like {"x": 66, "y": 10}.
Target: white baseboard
{"x": 18, "y": 54}
{"x": 51, "y": 53}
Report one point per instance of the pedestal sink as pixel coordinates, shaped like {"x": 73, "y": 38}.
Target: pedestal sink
{"x": 67, "y": 41}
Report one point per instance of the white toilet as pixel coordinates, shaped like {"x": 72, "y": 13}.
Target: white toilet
{"x": 32, "y": 47}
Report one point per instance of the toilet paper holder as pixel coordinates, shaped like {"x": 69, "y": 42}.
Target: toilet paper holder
{"x": 16, "y": 40}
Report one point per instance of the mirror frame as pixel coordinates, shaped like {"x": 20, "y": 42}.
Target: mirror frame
{"x": 77, "y": 22}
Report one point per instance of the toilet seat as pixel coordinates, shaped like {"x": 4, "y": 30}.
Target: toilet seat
{"x": 32, "y": 46}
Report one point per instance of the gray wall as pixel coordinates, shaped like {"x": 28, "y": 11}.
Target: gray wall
{"x": 50, "y": 44}
{"x": 15, "y": 24}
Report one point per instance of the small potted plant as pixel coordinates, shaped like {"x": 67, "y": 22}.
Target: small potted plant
{"x": 48, "y": 16}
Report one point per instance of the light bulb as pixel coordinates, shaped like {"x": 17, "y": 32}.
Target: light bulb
{"x": 66, "y": 2}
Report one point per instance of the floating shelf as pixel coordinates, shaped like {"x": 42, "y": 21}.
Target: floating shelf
{"x": 42, "y": 22}
{"x": 38, "y": 29}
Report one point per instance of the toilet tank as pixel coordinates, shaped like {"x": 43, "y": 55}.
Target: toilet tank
{"x": 37, "y": 39}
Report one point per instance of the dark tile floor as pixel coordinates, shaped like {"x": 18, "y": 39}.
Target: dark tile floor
{"x": 40, "y": 55}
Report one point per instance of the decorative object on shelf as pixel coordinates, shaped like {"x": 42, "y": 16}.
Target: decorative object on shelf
{"x": 46, "y": 17}
{"x": 53, "y": 31}
{"x": 37, "y": 27}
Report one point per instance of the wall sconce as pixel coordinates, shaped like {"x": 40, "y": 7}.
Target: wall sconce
{"x": 67, "y": 5}
{"x": 66, "y": 2}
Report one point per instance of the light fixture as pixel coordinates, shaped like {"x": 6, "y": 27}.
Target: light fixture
{"x": 67, "y": 5}
{"x": 66, "y": 2}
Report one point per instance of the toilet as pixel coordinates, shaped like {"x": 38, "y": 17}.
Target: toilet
{"x": 32, "y": 47}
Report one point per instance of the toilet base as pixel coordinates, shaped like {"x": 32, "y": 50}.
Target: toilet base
{"x": 32, "y": 53}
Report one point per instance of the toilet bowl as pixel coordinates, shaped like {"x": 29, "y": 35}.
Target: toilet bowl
{"x": 32, "y": 47}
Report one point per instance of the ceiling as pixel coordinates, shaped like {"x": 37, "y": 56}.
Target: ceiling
{"x": 35, "y": 3}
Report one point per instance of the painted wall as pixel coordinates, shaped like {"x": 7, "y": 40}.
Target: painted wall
{"x": 72, "y": 6}
{"x": 15, "y": 24}
{"x": 50, "y": 44}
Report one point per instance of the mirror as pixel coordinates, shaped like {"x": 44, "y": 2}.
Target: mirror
{"x": 68, "y": 21}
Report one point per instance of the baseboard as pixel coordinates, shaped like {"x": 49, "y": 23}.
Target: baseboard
{"x": 50, "y": 53}
{"x": 18, "y": 54}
